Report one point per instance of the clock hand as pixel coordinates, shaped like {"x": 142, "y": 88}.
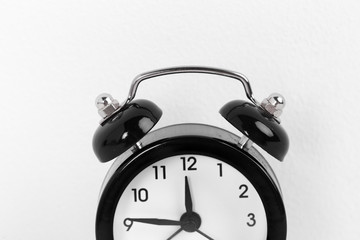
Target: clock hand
{"x": 188, "y": 200}
{"x": 175, "y": 233}
{"x": 189, "y": 208}
{"x": 180, "y": 229}
{"x": 204, "y": 234}
{"x": 128, "y": 222}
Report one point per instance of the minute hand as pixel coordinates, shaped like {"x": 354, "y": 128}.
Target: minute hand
{"x": 155, "y": 221}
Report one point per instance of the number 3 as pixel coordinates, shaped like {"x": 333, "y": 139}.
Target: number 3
{"x": 252, "y": 220}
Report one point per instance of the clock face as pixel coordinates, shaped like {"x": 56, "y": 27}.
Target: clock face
{"x": 190, "y": 187}
{"x": 223, "y": 202}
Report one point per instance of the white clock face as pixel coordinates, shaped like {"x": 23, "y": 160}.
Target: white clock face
{"x": 220, "y": 203}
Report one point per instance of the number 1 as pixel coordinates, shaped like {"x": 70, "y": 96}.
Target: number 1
{"x": 220, "y": 169}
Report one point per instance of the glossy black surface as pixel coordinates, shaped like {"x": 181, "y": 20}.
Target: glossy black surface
{"x": 231, "y": 154}
{"x": 124, "y": 129}
{"x": 254, "y": 123}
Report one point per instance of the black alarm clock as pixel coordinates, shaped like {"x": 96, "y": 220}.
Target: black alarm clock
{"x": 190, "y": 181}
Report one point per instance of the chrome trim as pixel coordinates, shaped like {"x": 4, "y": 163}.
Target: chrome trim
{"x": 191, "y": 129}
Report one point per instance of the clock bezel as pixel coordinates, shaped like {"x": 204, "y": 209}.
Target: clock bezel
{"x": 254, "y": 170}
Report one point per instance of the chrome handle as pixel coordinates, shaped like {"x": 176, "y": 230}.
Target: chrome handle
{"x": 191, "y": 69}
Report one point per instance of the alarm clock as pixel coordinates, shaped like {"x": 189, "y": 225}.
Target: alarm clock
{"x": 190, "y": 181}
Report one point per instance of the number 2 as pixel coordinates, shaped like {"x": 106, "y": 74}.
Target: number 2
{"x": 245, "y": 189}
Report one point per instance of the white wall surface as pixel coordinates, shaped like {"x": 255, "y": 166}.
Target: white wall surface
{"x": 57, "y": 56}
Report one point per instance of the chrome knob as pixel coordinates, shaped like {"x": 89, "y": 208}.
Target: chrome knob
{"x": 106, "y": 105}
{"x": 274, "y": 104}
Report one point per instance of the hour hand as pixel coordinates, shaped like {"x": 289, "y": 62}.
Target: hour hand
{"x": 128, "y": 222}
{"x": 188, "y": 200}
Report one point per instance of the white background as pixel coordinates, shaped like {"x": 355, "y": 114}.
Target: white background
{"x": 57, "y": 56}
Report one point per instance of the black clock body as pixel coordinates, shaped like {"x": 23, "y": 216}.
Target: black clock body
{"x": 180, "y": 143}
